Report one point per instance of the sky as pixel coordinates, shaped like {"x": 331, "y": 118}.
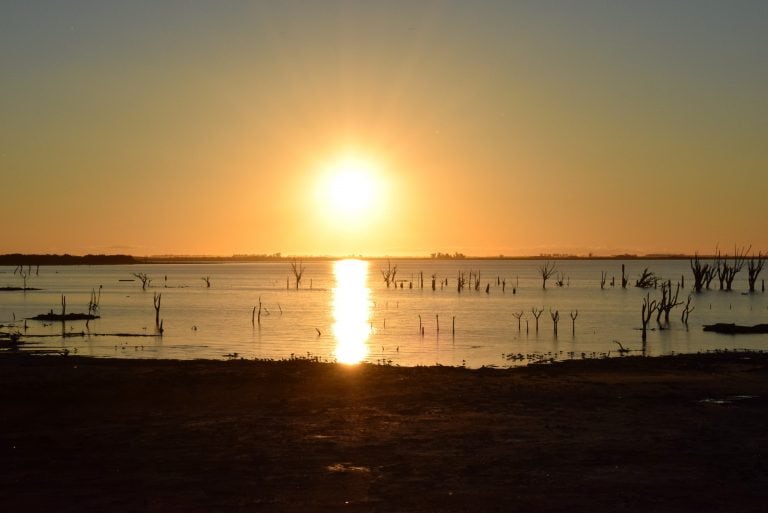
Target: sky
{"x": 484, "y": 127}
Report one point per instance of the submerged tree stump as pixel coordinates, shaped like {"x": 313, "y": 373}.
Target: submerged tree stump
{"x": 50, "y": 316}
{"x": 735, "y": 329}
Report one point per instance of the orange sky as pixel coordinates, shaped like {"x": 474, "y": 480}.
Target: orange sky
{"x": 494, "y": 128}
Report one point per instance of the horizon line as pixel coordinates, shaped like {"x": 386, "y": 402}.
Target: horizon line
{"x": 433, "y": 256}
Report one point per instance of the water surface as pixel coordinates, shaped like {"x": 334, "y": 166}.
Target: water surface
{"x": 343, "y": 311}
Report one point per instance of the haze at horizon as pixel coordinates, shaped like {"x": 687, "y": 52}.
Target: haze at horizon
{"x": 489, "y": 128}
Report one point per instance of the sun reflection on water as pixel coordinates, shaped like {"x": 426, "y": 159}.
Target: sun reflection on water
{"x": 351, "y": 310}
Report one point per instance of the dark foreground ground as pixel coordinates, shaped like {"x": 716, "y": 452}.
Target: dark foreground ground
{"x": 684, "y": 433}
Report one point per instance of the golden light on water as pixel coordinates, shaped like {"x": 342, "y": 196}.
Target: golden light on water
{"x": 351, "y": 310}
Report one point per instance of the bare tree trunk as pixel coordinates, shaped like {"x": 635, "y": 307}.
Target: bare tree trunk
{"x": 573, "y": 322}
{"x": 555, "y": 319}
{"x": 546, "y": 270}
{"x": 754, "y": 267}
{"x": 157, "y": 298}
{"x": 649, "y": 306}
{"x": 536, "y": 315}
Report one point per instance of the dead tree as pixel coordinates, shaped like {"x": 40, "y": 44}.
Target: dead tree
{"x": 24, "y": 275}
{"x": 518, "y": 315}
{"x": 547, "y": 269}
{"x": 144, "y": 279}
{"x": 646, "y": 280}
{"x": 207, "y": 280}
{"x": 93, "y": 305}
{"x": 700, "y": 273}
{"x": 461, "y": 281}
{"x": 63, "y": 313}
{"x": 555, "y": 319}
{"x": 389, "y": 274}
{"x": 668, "y": 301}
{"x": 721, "y": 266}
{"x": 711, "y": 274}
{"x": 157, "y": 298}
{"x": 687, "y": 309}
{"x": 624, "y": 278}
{"x": 649, "y": 307}
{"x": 434, "y": 278}
{"x": 754, "y": 266}
{"x": 731, "y": 270}
{"x": 574, "y": 314}
{"x": 474, "y": 280}
{"x": 536, "y": 314}
{"x": 298, "y": 270}
{"x": 622, "y": 350}
{"x": 603, "y": 276}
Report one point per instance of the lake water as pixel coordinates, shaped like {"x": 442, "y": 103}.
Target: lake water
{"x": 343, "y": 311}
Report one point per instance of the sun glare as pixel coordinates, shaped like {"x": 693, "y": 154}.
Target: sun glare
{"x": 351, "y": 192}
{"x": 351, "y": 310}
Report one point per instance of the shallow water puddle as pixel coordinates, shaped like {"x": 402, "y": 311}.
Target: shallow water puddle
{"x": 728, "y": 400}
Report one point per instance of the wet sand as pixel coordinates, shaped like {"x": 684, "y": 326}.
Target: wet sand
{"x": 683, "y": 433}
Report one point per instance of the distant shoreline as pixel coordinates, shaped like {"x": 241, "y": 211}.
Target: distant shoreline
{"x": 17, "y": 259}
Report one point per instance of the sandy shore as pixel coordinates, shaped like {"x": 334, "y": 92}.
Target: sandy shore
{"x": 684, "y": 433}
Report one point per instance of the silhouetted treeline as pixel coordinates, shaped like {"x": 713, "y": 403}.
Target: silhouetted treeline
{"x": 16, "y": 259}
{"x": 175, "y": 259}
{"x": 448, "y": 256}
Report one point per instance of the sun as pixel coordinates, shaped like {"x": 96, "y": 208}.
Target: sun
{"x": 351, "y": 191}
{"x": 351, "y": 187}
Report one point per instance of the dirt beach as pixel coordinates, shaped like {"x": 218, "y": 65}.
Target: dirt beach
{"x": 682, "y": 433}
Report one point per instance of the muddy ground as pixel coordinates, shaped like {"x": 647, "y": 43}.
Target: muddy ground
{"x": 683, "y": 433}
